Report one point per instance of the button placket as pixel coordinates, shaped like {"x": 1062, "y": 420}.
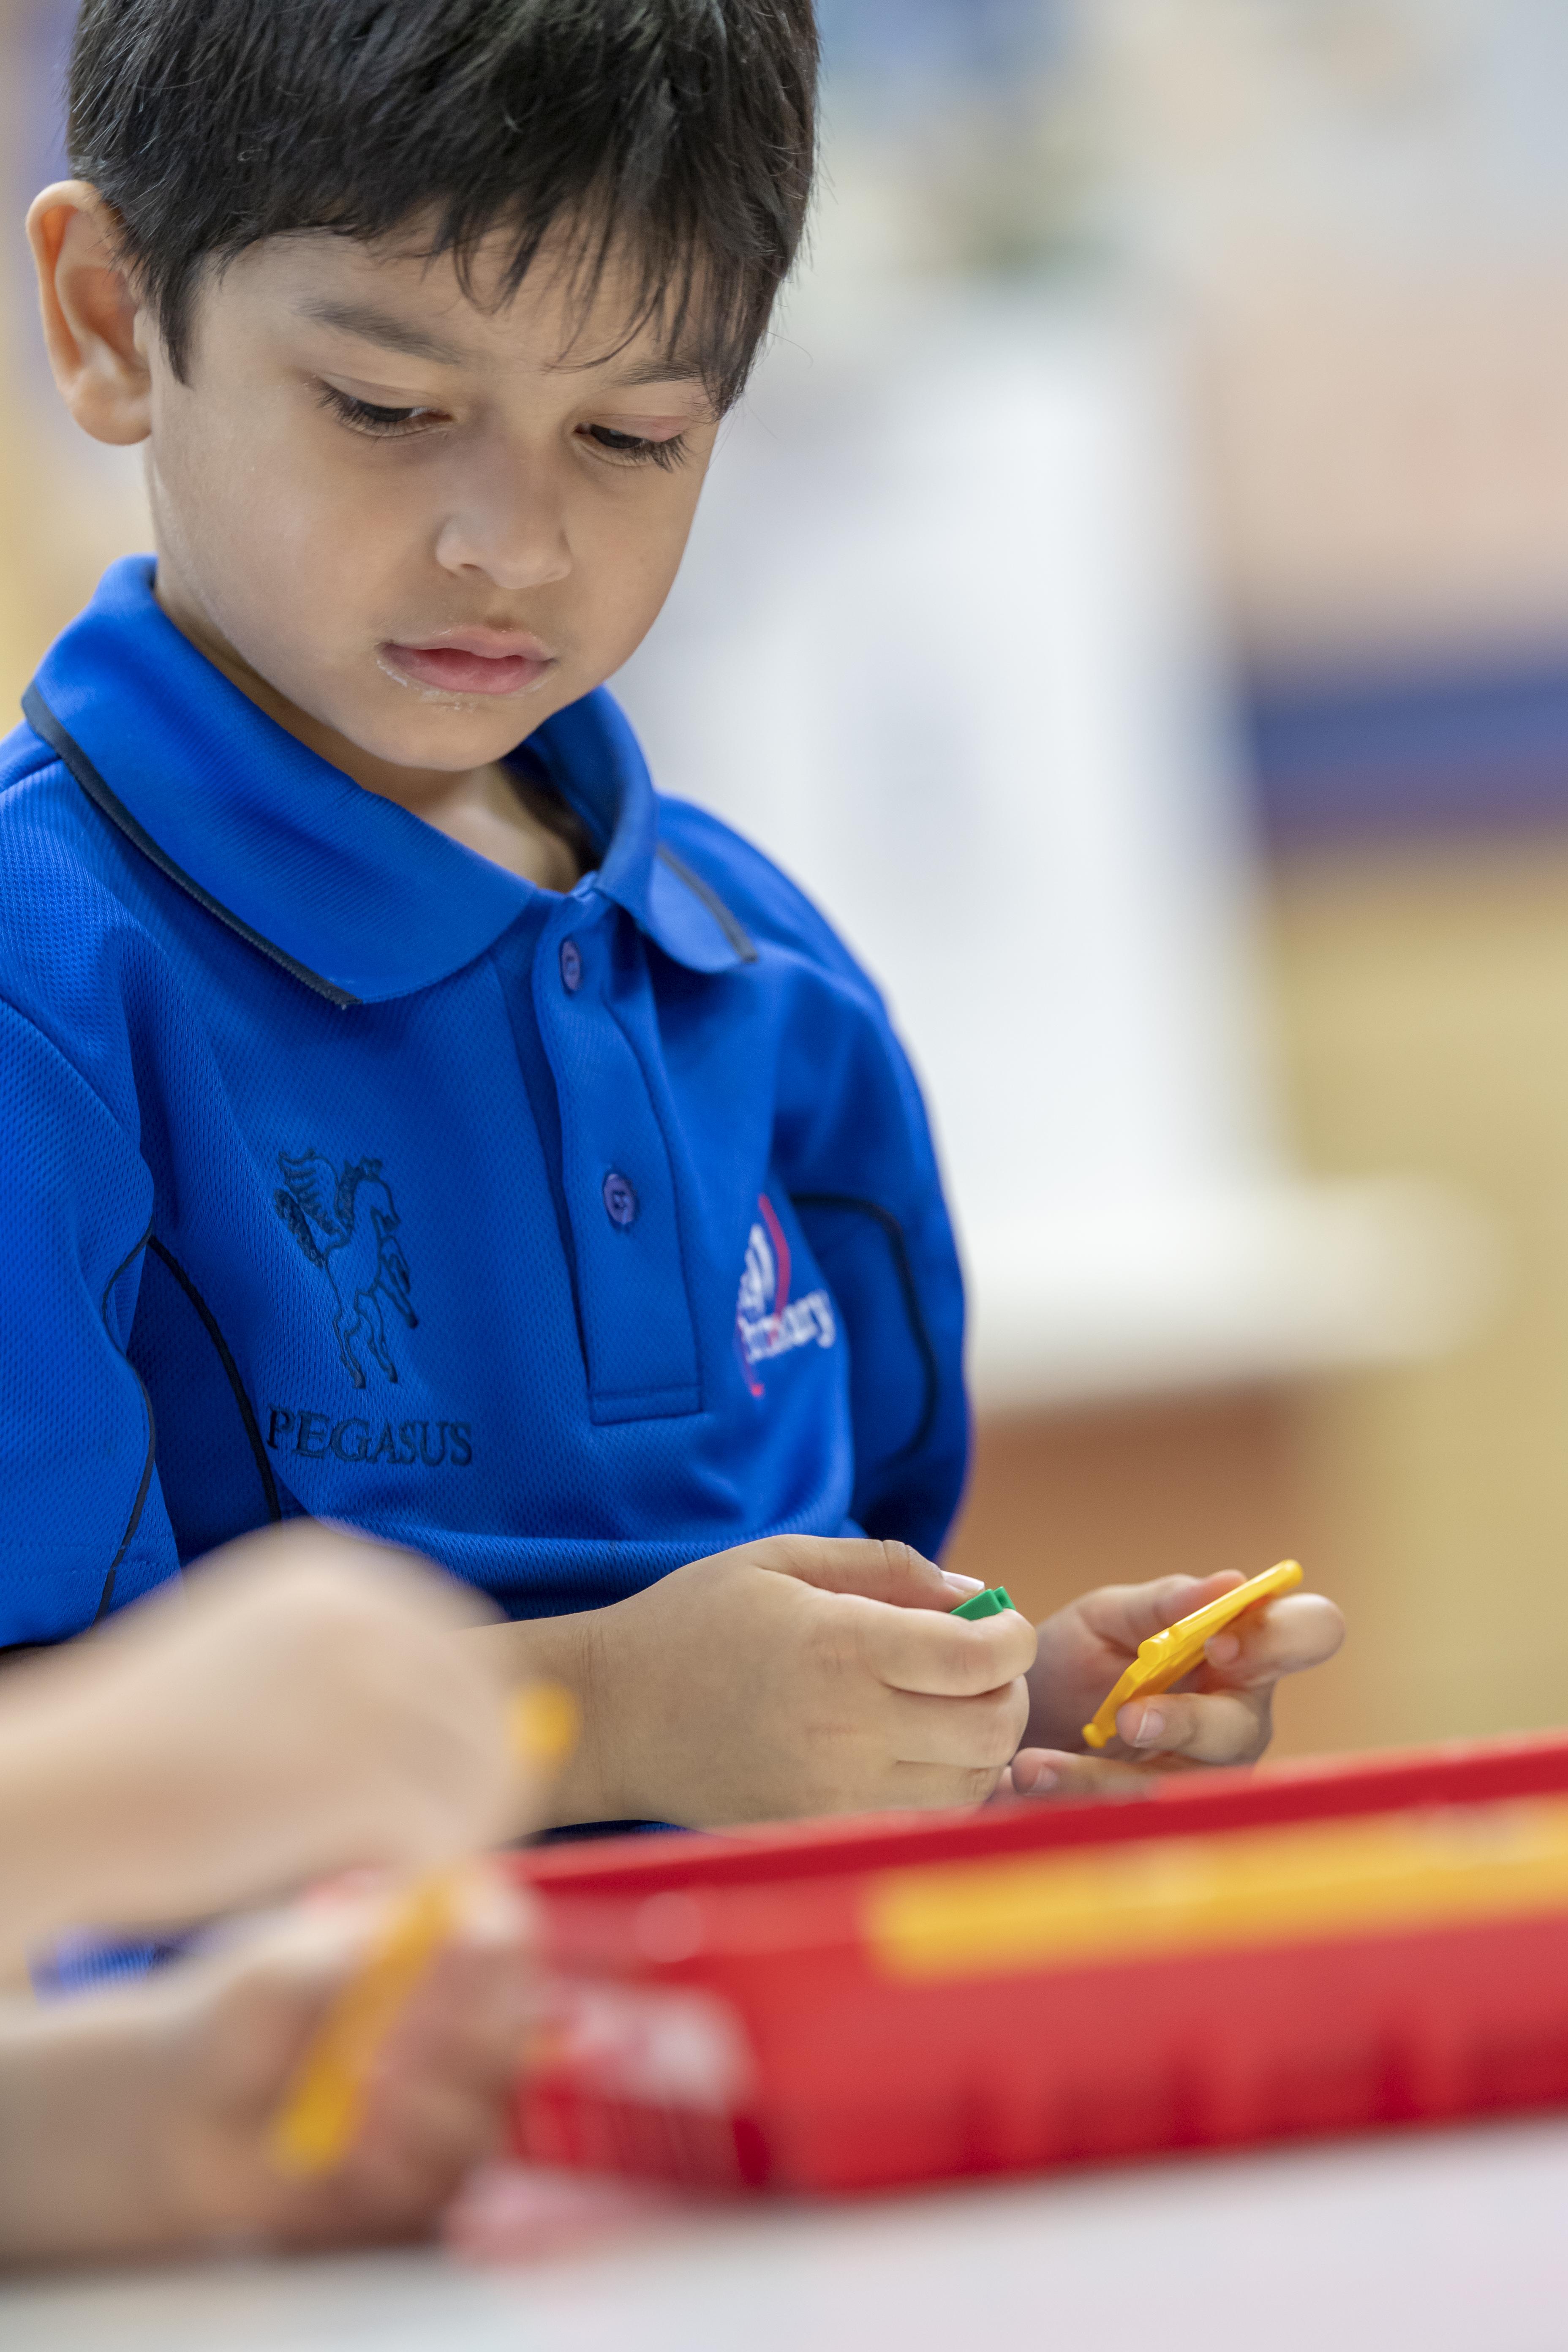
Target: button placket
{"x": 639, "y": 1340}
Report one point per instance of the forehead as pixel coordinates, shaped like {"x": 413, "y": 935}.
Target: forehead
{"x": 566, "y": 320}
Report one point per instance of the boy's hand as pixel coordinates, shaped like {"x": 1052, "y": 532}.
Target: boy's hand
{"x": 138, "y": 2121}
{"x": 1219, "y": 1715}
{"x": 296, "y": 1707}
{"x": 437, "y": 2096}
{"x": 795, "y": 1676}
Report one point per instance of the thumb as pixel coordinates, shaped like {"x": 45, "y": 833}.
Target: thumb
{"x": 877, "y": 1570}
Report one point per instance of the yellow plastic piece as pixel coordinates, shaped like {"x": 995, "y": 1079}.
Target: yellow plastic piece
{"x": 1302, "y": 1882}
{"x": 1166, "y": 1657}
{"x": 321, "y": 2117}
{"x": 546, "y": 1721}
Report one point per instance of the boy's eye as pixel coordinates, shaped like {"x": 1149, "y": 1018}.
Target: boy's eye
{"x": 634, "y": 449}
{"x": 365, "y": 416}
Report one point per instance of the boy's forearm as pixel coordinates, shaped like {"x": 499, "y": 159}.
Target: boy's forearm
{"x": 82, "y": 2167}
{"x": 574, "y": 1651}
{"x": 50, "y": 1837}
{"x": 61, "y": 1860}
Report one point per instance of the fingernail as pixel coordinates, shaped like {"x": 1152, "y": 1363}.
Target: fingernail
{"x": 1151, "y": 1728}
{"x": 1040, "y": 1777}
{"x": 1223, "y": 1648}
{"x": 962, "y": 1583}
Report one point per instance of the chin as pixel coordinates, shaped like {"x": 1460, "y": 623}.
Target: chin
{"x": 444, "y": 736}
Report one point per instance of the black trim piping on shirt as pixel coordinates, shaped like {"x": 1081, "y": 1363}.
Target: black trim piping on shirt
{"x": 43, "y": 722}
{"x": 741, "y": 940}
{"x": 226, "y": 1358}
{"x": 898, "y": 1247}
{"x": 134, "y": 1521}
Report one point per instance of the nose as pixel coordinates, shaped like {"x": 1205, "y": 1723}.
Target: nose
{"x": 508, "y": 522}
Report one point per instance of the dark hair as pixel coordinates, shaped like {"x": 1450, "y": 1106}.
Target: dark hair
{"x": 679, "y": 131}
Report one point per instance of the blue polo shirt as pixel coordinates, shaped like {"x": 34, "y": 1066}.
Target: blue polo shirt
{"x": 562, "y": 1238}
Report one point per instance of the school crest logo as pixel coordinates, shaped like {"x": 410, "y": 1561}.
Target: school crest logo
{"x": 346, "y": 1222}
{"x": 768, "y": 1321}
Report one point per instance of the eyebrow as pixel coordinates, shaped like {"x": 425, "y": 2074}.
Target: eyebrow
{"x": 383, "y": 326}
{"x": 395, "y": 335}
{"x": 671, "y": 369}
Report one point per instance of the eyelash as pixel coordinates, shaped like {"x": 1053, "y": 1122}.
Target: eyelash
{"x": 365, "y": 416}
{"x": 632, "y": 449}
{"x": 398, "y": 423}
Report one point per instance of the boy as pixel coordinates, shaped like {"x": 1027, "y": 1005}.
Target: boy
{"x": 413, "y": 1119}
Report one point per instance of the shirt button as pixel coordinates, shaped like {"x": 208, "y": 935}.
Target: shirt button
{"x": 570, "y": 966}
{"x": 620, "y": 1201}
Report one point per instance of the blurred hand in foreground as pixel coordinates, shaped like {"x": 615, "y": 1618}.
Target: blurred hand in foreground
{"x": 137, "y": 2121}
{"x": 297, "y": 1706}
{"x": 1221, "y": 1714}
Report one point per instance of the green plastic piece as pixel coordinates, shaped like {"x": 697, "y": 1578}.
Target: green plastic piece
{"x": 986, "y": 1605}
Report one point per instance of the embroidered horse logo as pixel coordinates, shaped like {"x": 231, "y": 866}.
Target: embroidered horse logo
{"x": 346, "y": 1222}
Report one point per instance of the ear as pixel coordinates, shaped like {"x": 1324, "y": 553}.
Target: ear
{"x": 93, "y": 323}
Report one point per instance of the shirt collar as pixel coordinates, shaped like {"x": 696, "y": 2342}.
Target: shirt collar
{"x": 356, "y": 897}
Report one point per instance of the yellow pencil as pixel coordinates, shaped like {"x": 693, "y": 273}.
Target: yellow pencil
{"x": 325, "y": 2106}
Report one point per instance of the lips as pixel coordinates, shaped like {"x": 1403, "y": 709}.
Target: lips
{"x": 476, "y": 663}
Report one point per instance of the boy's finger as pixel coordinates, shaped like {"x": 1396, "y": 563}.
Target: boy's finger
{"x": 420, "y": 2129}
{"x": 951, "y": 1657}
{"x": 1219, "y": 1728}
{"x": 978, "y": 1734}
{"x": 1058, "y": 1773}
{"x": 929, "y": 1788}
{"x": 887, "y": 1571}
{"x": 1303, "y": 1630}
{"x": 471, "y": 2027}
{"x": 1130, "y": 1613}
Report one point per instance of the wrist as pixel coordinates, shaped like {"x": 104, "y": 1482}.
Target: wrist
{"x": 575, "y": 1651}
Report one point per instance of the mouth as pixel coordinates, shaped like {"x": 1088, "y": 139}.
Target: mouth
{"x": 491, "y": 662}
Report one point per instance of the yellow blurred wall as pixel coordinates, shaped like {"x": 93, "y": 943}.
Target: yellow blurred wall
{"x": 1423, "y": 1005}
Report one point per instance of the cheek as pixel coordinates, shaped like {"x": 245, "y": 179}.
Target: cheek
{"x": 633, "y": 556}
{"x": 285, "y": 543}
{"x": 298, "y": 510}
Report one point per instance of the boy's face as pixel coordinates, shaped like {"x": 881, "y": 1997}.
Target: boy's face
{"x": 424, "y": 522}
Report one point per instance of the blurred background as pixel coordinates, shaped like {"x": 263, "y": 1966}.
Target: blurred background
{"x": 1134, "y": 600}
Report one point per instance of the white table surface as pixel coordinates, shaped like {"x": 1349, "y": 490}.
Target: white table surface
{"x": 1441, "y": 2242}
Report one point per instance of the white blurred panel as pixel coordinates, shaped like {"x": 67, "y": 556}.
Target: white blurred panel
{"x": 934, "y": 648}
{"x": 943, "y": 646}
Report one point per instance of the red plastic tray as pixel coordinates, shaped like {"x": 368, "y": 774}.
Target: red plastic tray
{"x": 853, "y": 2005}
